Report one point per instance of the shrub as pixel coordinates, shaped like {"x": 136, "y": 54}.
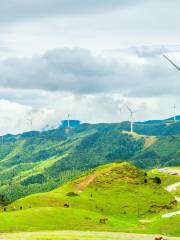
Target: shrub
{"x": 72, "y": 194}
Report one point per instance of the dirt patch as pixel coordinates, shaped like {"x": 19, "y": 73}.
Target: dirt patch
{"x": 149, "y": 141}
{"x": 145, "y": 221}
{"x": 85, "y": 183}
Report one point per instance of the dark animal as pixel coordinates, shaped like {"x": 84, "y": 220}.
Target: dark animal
{"x": 20, "y": 207}
{"x": 66, "y": 205}
{"x": 103, "y": 220}
{"x": 159, "y": 238}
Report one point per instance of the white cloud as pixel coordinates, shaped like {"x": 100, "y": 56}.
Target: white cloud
{"x": 79, "y": 72}
{"x": 38, "y": 9}
{"x": 46, "y": 71}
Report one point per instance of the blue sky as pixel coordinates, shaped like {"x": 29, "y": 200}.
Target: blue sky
{"x": 86, "y": 59}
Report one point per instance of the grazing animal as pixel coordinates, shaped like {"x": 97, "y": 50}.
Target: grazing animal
{"x": 20, "y": 208}
{"x": 4, "y": 209}
{"x": 159, "y": 238}
{"x": 103, "y": 220}
{"x": 66, "y": 205}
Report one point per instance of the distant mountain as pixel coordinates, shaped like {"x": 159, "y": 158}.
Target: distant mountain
{"x": 172, "y": 118}
{"x": 40, "y": 161}
{"x": 160, "y": 121}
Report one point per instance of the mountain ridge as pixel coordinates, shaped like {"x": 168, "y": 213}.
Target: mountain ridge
{"x": 40, "y": 161}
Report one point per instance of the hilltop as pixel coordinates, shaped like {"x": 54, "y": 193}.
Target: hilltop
{"x": 40, "y": 161}
{"x": 113, "y": 197}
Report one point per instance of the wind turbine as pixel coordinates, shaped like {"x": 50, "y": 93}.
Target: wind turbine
{"x": 132, "y": 112}
{"x": 68, "y": 121}
{"x": 169, "y": 60}
{"x": 131, "y": 117}
{"x": 174, "y": 107}
{"x": 178, "y": 68}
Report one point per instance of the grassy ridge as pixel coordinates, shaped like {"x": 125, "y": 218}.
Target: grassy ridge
{"x": 126, "y": 196}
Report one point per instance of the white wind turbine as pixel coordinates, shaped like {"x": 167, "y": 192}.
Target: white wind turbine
{"x": 178, "y": 68}
{"x": 174, "y": 108}
{"x": 131, "y": 117}
{"x": 68, "y": 121}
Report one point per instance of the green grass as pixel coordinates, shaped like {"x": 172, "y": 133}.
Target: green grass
{"x": 116, "y": 191}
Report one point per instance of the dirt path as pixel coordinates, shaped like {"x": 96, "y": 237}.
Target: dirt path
{"x": 170, "y": 171}
{"x": 78, "y": 235}
{"x": 85, "y": 183}
{"x": 167, "y": 215}
{"x": 149, "y": 141}
{"x": 171, "y": 188}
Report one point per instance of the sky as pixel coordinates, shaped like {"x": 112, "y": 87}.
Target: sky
{"x": 88, "y": 59}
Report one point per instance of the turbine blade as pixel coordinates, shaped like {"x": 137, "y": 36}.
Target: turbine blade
{"x": 169, "y": 60}
{"x": 129, "y": 109}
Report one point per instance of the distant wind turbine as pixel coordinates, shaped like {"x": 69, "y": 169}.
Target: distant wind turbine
{"x": 169, "y": 60}
{"x": 174, "y": 107}
{"x": 131, "y": 117}
{"x": 68, "y": 121}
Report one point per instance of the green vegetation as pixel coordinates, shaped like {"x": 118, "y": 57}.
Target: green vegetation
{"x": 112, "y": 197}
{"x": 41, "y": 161}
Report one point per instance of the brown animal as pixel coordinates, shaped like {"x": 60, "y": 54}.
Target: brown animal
{"x": 103, "y": 220}
{"x": 159, "y": 238}
{"x": 66, "y": 205}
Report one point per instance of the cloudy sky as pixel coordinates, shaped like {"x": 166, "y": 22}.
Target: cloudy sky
{"x": 87, "y": 59}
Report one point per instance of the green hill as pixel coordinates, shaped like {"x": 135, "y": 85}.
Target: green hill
{"x": 40, "y": 161}
{"x": 113, "y": 197}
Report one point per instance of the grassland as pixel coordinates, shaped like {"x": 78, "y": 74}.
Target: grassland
{"x": 130, "y": 199}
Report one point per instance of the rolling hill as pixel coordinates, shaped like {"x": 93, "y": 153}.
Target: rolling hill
{"x": 112, "y": 197}
{"x": 40, "y": 161}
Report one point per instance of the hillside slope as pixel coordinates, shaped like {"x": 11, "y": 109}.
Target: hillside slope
{"x": 40, "y": 161}
{"x": 113, "y": 197}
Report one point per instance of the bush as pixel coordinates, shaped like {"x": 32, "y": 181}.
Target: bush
{"x": 157, "y": 180}
{"x": 72, "y": 194}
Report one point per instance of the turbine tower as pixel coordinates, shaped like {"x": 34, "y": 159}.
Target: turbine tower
{"x": 169, "y": 60}
{"x": 174, "y": 108}
{"x": 131, "y": 117}
{"x": 68, "y": 121}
